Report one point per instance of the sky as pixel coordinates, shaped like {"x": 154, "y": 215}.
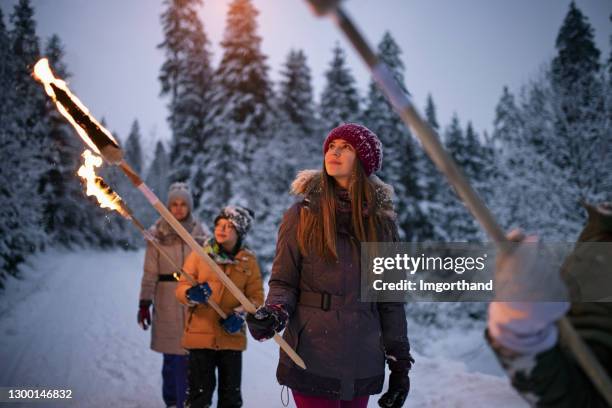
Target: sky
{"x": 462, "y": 52}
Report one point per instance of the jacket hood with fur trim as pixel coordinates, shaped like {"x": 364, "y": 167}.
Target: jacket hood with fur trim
{"x": 308, "y": 185}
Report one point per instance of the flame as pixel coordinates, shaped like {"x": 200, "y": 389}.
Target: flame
{"x": 43, "y": 74}
{"x": 96, "y": 186}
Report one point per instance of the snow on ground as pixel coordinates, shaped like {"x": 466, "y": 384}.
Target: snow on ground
{"x": 71, "y": 324}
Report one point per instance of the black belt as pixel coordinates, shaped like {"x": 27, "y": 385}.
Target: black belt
{"x": 323, "y": 301}
{"x": 166, "y": 278}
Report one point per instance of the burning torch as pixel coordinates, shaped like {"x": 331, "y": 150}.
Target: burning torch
{"x": 107, "y": 198}
{"x": 445, "y": 163}
{"x": 100, "y": 140}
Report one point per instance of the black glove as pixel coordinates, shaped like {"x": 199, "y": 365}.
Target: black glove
{"x": 399, "y": 381}
{"x": 144, "y": 316}
{"x": 267, "y": 321}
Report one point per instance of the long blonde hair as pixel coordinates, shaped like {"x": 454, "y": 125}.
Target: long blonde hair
{"x": 316, "y": 231}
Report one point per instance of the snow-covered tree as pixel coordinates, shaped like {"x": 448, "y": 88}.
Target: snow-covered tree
{"x": 65, "y": 211}
{"x": 473, "y": 162}
{"x": 577, "y": 93}
{"x": 7, "y": 68}
{"x": 296, "y": 95}
{"x": 578, "y": 99}
{"x": 296, "y": 104}
{"x": 243, "y": 114}
{"x": 295, "y": 143}
{"x": 400, "y": 167}
{"x": 18, "y": 234}
{"x": 609, "y": 62}
{"x": 133, "y": 149}
{"x": 22, "y": 132}
{"x": 186, "y": 80}
{"x": 539, "y": 185}
{"x": 340, "y": 99}
{"x": 157, "y": 179}
{"x": 491, "y": 170}
{"x": 506, "y": 130}
{"x": 458, "y": 223}
{"x": 430, "y": 181}
{"x": 134, "y": 198}
{"x": 577, "y": 56}
{"x": 29, "y": 98}
{"x": 606, "y": 181}
{"x": 243, "y": 76}
{"x": 529, "y": 186}
{"x": 113, "y": 230}
{"x": 430, "y": 113}
{"x": 157, "y": 176}
{"x": 275, "y": 166}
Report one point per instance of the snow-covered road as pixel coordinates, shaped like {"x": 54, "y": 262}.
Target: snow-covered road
{"x": 71, "y": 324}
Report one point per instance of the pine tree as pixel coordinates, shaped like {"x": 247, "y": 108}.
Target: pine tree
{"x": 491, "y": 170}
{"x": 610, "y": 57}
{"x": 506, "y": 130}
{"x": 340, "y": 99}
{"x": 294, "y": 144}
{"x": 134, "y": 198}
{"x": 578, "y": 56}
{"x": 133, "y": 150}
{"x": 243, "y": 76}
{"x": 21, "y": 135}
{"x": 574, "y": 78}
{"x": 185, "y": 78}
{"x": 430, "y": 113}
{"x": 243, "y": 113}
{"x": 297, "y": 105}
{"x": 6, "y": 71}
{"x": 157, "y": 179}
{"x": 578, "y": 103}
{"x": 606, "y": 184}
{"x": 275, "y": 166}
{"x": 400, "y": 168}
{"x": 459, "y": 223}
{"x": 296, "y": 95}
{"x": 113, "y": 229}
{"x": 477, "y": 169}
{"x": 472, "y": 164}
{"x": 430, "y": 181}
{"x": 28, "y": 95}
{"x": 536, "y": 182}
{"x": 12, "y": 194}
{"x": 507, "y": 122}
{"x": 65, "y": 215}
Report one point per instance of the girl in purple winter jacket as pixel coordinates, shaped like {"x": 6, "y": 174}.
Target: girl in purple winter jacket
{"x": 315, "y": 283}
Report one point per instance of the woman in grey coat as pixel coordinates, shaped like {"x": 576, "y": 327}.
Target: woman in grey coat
{"x": 157, "y": 288}
{"x": 315, "y": 283}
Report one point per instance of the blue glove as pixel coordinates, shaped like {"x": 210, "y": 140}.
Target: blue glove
{"x": 233, "y": 323}
{"x": 199, "y": 293}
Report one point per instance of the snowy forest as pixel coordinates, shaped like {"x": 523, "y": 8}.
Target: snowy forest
{"x": 239, "y": 138}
